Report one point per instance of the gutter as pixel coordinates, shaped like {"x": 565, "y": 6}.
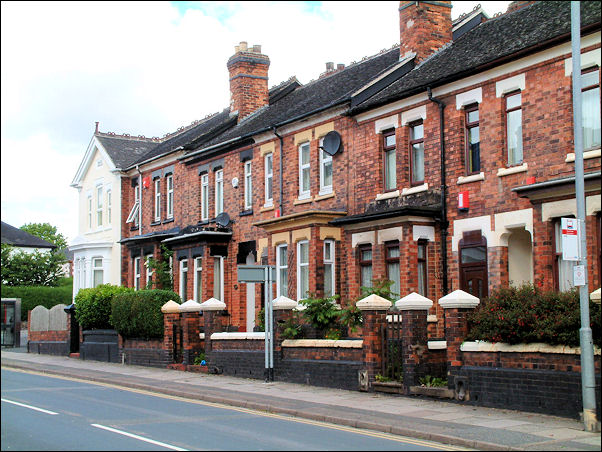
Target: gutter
{"x": 444, "y": 222}
{"x": 280, "y": 175}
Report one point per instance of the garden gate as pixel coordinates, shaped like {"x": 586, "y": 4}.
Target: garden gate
{"x": 392, "y": 362}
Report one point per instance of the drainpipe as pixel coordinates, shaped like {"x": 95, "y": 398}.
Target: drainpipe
{"x": 139, "y": 199}
{"x": 280, "y": 176}
{"x": 444, "y": 222}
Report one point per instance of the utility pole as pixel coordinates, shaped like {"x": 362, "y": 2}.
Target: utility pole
{"x": 588, "y": 388}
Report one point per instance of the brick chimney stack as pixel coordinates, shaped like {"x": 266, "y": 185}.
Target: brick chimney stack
{"x": 424, "y": 27}
{"x": 248, "y": 69}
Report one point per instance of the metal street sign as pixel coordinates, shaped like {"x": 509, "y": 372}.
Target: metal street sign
{"x": 571, "y": 239}
{"x": 254, "y": 273}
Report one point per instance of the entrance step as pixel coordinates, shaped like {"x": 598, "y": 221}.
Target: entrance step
{"x": 74, "y": 355}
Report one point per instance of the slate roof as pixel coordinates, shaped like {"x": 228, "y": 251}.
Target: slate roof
{"x": 17, "y": 237}
{"x": 315, "y": 96}
{"x": 500, "y": 39}
{"x": 125, "y": 150}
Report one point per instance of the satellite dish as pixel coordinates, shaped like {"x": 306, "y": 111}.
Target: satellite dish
{"x": 223, "y": 219}
{"x": 332, "y": 143}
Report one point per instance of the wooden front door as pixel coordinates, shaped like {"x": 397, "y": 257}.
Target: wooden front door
{"x": 473, "y": 264}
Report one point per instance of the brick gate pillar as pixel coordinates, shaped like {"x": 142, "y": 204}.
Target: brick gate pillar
{"x": 374, "y": 317}
{"x": 191, "y": 327}
{"x": 457, "y": 306}
{"x": 212, "y": 316}
{"x": 171, "y": 317}
{"x": 414, "y": 308}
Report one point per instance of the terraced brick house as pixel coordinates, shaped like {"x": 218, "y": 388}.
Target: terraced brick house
{"x": 357, "y": 175}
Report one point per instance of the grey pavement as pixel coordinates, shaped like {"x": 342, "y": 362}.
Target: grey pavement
{"x": 442, "y": 421}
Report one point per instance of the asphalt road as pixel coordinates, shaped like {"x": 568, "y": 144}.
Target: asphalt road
{"x": 49, "y": 413}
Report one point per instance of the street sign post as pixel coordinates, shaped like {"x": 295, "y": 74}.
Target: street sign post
{"x": 263, "y": 274}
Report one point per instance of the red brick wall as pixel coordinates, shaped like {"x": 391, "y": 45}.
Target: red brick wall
{"x": 424, "y": 27}
{"x": 542, "y": 361}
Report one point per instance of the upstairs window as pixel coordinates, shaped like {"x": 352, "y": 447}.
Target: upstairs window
{"x": 304, "y": 186}
{"x": 281, "y": 270}
{"x": 389, "y": 158}
{"x": 514, "y": 128}
{"x": 269, "y": 176}
{"x": 219, "y": 192}
{"x": 205, "y": 196}
{"x": 89, "y": 201}
{"x": 109, "y": 206}
{"x": 590, "y": 107}
{"x": 329, "y": 282}
{"x": 417, "y": 153}
{"x": 473, "y": 153}
{"x": 133, "y": 216}
{"x": 170, "y": 195}
{"x": 302, "y": 269}
{"x": 248, "y": 186}
{"x": 325, "y": 171}
{"x": 99, "y": 195}
{"x": 365, "y": 260}
{"x": 157, "y": 199}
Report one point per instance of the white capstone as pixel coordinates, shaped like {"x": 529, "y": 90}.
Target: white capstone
{"x": 414, "y": 301}
{"x": 459, "y": 299}
{"x": 190, "y": 306}
{"x": 595, "y": 296}
{"x": 170, "y": 307}
{"x": 436, "y": 345}
{"x": 283, "y": 303}
{"x": 373, "y": 302}
{"x": 213, "y": 304}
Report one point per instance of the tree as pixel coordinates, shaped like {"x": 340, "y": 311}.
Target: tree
{"x": 30, "y": 269}
{"x": 46, "y": 232}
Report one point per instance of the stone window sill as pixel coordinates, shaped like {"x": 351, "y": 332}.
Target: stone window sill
{"x": 169, "y": 220}
{"x": 267, "y": 208}
{"x": 296, "y": 202}
{"x": 245, "y": 213}
{"x": 417, "y": 189}
{"x": 155, "y": 223}
{"x": 387, "y": 195}
{"x": 501, "y": 172}
{"x": 586, "y": 155}
{"x": 324, "y": 196}
{"x": 471, "y": 178}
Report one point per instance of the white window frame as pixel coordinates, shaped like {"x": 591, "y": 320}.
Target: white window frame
{"x": 325, "y": 158}
{"x": 99, "y": 205}
{"x": 220, "y": 261}
{"x": 299, "y": 266}
{"x": 109, "y": 206}
{"x": 330, "y": 262}
{"x": 183, "y": 286}
{"x": 281, "y": 266}
{"x": 133, "y": 216}
{"x": 149, "y": 272}
{"x": 97, "y": 268}
{"x": 170, "y": 195}
{"x": 269, "y": 179}
{"x": 89, "y": 200}
{"x": 248, "y": 186}
{"x": 204, "y": 196}
{"x": 304, "y": 194}
{"x": 137, "y": 273}
{"x": 219, "y": 192}
{"x": 157, "y": 199}
{"x": 198, "y": 277}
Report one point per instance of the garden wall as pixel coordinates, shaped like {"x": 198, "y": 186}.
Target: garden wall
{"x": 48, "y": 330}
{"x": 141, "y": 352}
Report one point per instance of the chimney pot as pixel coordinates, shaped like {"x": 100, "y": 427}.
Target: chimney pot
{"x": 257, "y": 48}
{"x": 243, "y": 46}
{"x": 96, "y": 127}
{"x": 330, "y": 66}
{"x": 340, "y": 66}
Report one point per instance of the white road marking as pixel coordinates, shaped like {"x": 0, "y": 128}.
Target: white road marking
{"x": 29, "y": 406}
{"x": 141, "y": 438}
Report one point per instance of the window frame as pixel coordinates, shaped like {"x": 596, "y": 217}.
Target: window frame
{"x": 95, "y": 269}
{"x": 413, "y": 142}
{"x": 467, "y": 129}
{"x": 279, "y": 267}
{"x": 170, "y": 196}
{"x": 422, "y": 260}
{"x": 304, "y": 194}
{"x": 269, "y": 179}
{"x": 248, "y": 169}
{"x": 157, "y": 199}
{"x": 137, "y": 272}
{"x": 393, "y": 244}
{"x": 588, "y": 88}
{"x": 149, "y": 272}
{"x": 99, "y": 205}
{"x": 365, "y": 263}
{"x": 301, "y": 266}
{"x": 183, "y": 285}
{"x": 219, "y": 191}
{"x": 386, "y": 151}
{"x": 332, "y": 263}
{"x": 325, "y": 159}
{"x": 198, "y": 279}
{"x": 220, "y": 260}
{"x": 89, "y": 200}
{"x": 109, "y": 206}
{"x": 205, "y": 196}
{"x": 507, "y": 112}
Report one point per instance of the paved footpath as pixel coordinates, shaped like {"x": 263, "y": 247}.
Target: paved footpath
{"x": 443, "y": 421}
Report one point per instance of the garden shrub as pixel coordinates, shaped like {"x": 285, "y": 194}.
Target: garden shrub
{"x": 527, "y": 314}
{"x": 93, "y": 306}
{"x": 137, "y": 314}
{"x": 322, "y": 314}
{"x": 32, "y": 296}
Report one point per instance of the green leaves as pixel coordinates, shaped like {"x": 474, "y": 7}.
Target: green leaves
{"x": 46, "y": 232}
{"x": 93, "y": 306}
{"x": 30, "y": 269}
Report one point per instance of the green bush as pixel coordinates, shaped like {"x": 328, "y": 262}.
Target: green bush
{"x": 19, "y": 268}
{"x": 322, "y": 313}
{"x": 32, "y": 296}
{"x": 138, "y": 314}
{"x": 527, "y": 314}
{"x": 93, "y": 306}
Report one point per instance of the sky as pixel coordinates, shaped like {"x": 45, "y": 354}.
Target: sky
{"x": 148, "y": 68}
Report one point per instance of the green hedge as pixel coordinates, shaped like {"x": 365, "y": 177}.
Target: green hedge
{"x": 93, "y": 306}
{"x": 138, "y": 314}
{"x": 527, "y": 314}
{"x": 32, "y": 296}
